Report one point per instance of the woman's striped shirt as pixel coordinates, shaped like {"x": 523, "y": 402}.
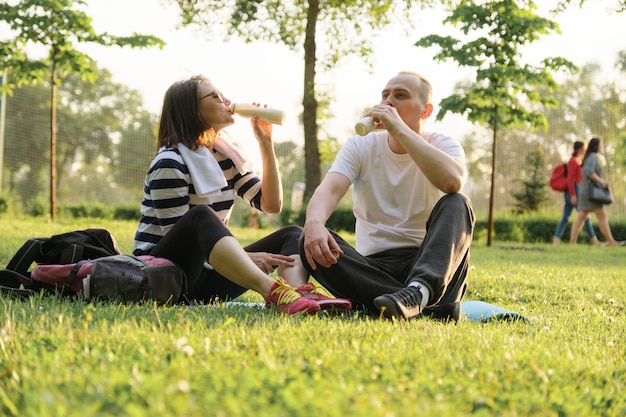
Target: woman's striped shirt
{"x": 169, "y": 193}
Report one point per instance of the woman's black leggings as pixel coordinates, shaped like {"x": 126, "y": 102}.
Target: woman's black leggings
{"x": 190, "y": 242}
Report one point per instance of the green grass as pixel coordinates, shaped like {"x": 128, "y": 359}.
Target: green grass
{"x": 70, "y": 358}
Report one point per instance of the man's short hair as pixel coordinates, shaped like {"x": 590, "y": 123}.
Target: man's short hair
{"x": 426, "y": 90}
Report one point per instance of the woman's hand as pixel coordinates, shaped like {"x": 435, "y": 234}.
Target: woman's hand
{"x": 262, "y": 130}
{"x": 267, "y": 262}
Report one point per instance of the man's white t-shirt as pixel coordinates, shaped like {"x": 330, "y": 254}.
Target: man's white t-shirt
{"x": 392, "y": 197}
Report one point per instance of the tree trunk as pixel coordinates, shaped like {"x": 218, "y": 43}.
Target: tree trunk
{"x": 493, "y": 183}
{"x": 309, "y": 118}
{"x": 53, "y": 144}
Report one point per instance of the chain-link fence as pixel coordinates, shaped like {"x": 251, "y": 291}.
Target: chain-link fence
{"x": 106, "y": 140}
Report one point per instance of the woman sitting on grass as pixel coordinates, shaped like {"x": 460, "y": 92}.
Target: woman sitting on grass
{"x": 189, "y": 195}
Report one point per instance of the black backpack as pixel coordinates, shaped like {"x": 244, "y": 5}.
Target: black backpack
{"x": 65, "y": 248}
{"x": 87, "y": 263}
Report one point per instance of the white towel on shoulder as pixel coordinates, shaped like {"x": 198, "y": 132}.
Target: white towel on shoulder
{"x": 206, "y": 173}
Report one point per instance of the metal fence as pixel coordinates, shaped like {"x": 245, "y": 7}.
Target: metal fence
{"x": 103, "y": 153}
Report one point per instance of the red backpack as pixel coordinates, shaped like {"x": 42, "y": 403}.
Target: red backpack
{"x": 558, "y": 179}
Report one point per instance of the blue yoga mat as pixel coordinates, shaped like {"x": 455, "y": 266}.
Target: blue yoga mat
{"x": 473, "y": 310}
{"x": 481, "y": 311}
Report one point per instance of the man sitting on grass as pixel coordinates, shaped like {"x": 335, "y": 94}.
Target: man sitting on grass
{"x": 412, "y": 244}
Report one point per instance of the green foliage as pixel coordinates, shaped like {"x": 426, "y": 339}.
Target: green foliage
{"x": 58, "y": 26}
{"x": 534, "y": 193}
{"x": 612, "y": 5}
{"x": 105, "y": 141}
{"x": 127, "y": 212}
{"x": 26, "y": 148}
{"x": 38, "y": 207}
{"x": 286, "y": 22}
{"x": 537, "y": 229}
{"x": 329, "y": 149}
{"x": 342, "y": 219}
{"x": 345, "y": 28}
{"x": 93, "y": 210}
{"x": 70, "y": 358}
{"x": 504, "y": 84}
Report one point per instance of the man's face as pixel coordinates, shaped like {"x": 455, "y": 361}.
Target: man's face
{"x": 403, "y": 93}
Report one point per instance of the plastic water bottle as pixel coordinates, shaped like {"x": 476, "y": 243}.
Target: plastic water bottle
{"x": 273, "y": 116}
{"x": 364, "y": 126}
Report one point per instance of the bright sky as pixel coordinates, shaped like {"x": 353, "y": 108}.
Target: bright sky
{"x": 271, "y": 74}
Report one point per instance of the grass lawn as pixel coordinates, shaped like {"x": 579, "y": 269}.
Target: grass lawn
{"x": 70, "y": 358}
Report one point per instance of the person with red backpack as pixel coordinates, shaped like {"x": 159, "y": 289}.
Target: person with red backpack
{"x": 592, "y": 176}
{"x": 570, "y": 195}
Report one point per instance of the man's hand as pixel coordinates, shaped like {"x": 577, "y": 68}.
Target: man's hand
{"x": 320, "y": 248}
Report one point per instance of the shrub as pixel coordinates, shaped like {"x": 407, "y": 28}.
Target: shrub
{"x": 95, "y": 210}
{"x": 341, "y": 219}
{"x": 38, "y": 208}
{"x": 4, "y": 205}
{"x": 126, "y": 212}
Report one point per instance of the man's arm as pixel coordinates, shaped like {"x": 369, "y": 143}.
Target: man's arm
{"x": 443, "y": 171}
{"x": 318, "y": 242}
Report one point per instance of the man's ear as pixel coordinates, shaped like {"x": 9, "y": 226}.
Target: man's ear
{"x": 428, "y": 110}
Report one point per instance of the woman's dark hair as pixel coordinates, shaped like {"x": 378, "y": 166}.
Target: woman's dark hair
{"x": 592, "y": 147}
{"x": 578, "y": 145}
{"x": 180, "y": 117}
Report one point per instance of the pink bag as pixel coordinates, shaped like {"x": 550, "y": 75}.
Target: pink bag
{"x": 121, "y": 277}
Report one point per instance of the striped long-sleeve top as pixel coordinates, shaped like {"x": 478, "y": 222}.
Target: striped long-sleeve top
{"x": 169, "y": 193}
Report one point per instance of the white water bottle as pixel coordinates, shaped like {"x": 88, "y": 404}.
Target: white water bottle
{"x": 364, "y": 126}
{"x": 273, "y": 116}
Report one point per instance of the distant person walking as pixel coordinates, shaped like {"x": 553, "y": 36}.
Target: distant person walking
{"x": 592, "y": 171}
{"x": 574, "y": 178}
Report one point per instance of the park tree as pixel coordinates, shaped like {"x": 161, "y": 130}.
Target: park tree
{"x": 105, "y": 124}
{"x": 533, "y": 193}
{"x": 137, "y": 146}
{"x": 591, "y": 104}
{"x": 620, "y": 64}
{"x": 103, "y": 130}
{"x": 59, "y": 27}
{"x": 504, "y": 86}
{"x": 26, "y": 148}
{"x": 344, "y": 26}
{"x": 587, "y": 99}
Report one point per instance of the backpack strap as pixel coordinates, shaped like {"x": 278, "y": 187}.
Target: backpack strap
{"x": 26, "y": 255}
{"x": 74, "y": 272}
{"x": 73, "y": 253}
{"x": 14, "y": 283}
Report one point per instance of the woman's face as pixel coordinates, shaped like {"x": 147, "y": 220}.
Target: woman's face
{"x": 214, "y": 108}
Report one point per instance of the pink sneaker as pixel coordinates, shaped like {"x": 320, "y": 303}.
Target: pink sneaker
{"x": 310, "y": 291}
{"x": 285, "y": 298}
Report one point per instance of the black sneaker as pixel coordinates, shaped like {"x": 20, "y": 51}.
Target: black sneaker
{"x": 445, "y": 312}
{"x": 403, "y": 304}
